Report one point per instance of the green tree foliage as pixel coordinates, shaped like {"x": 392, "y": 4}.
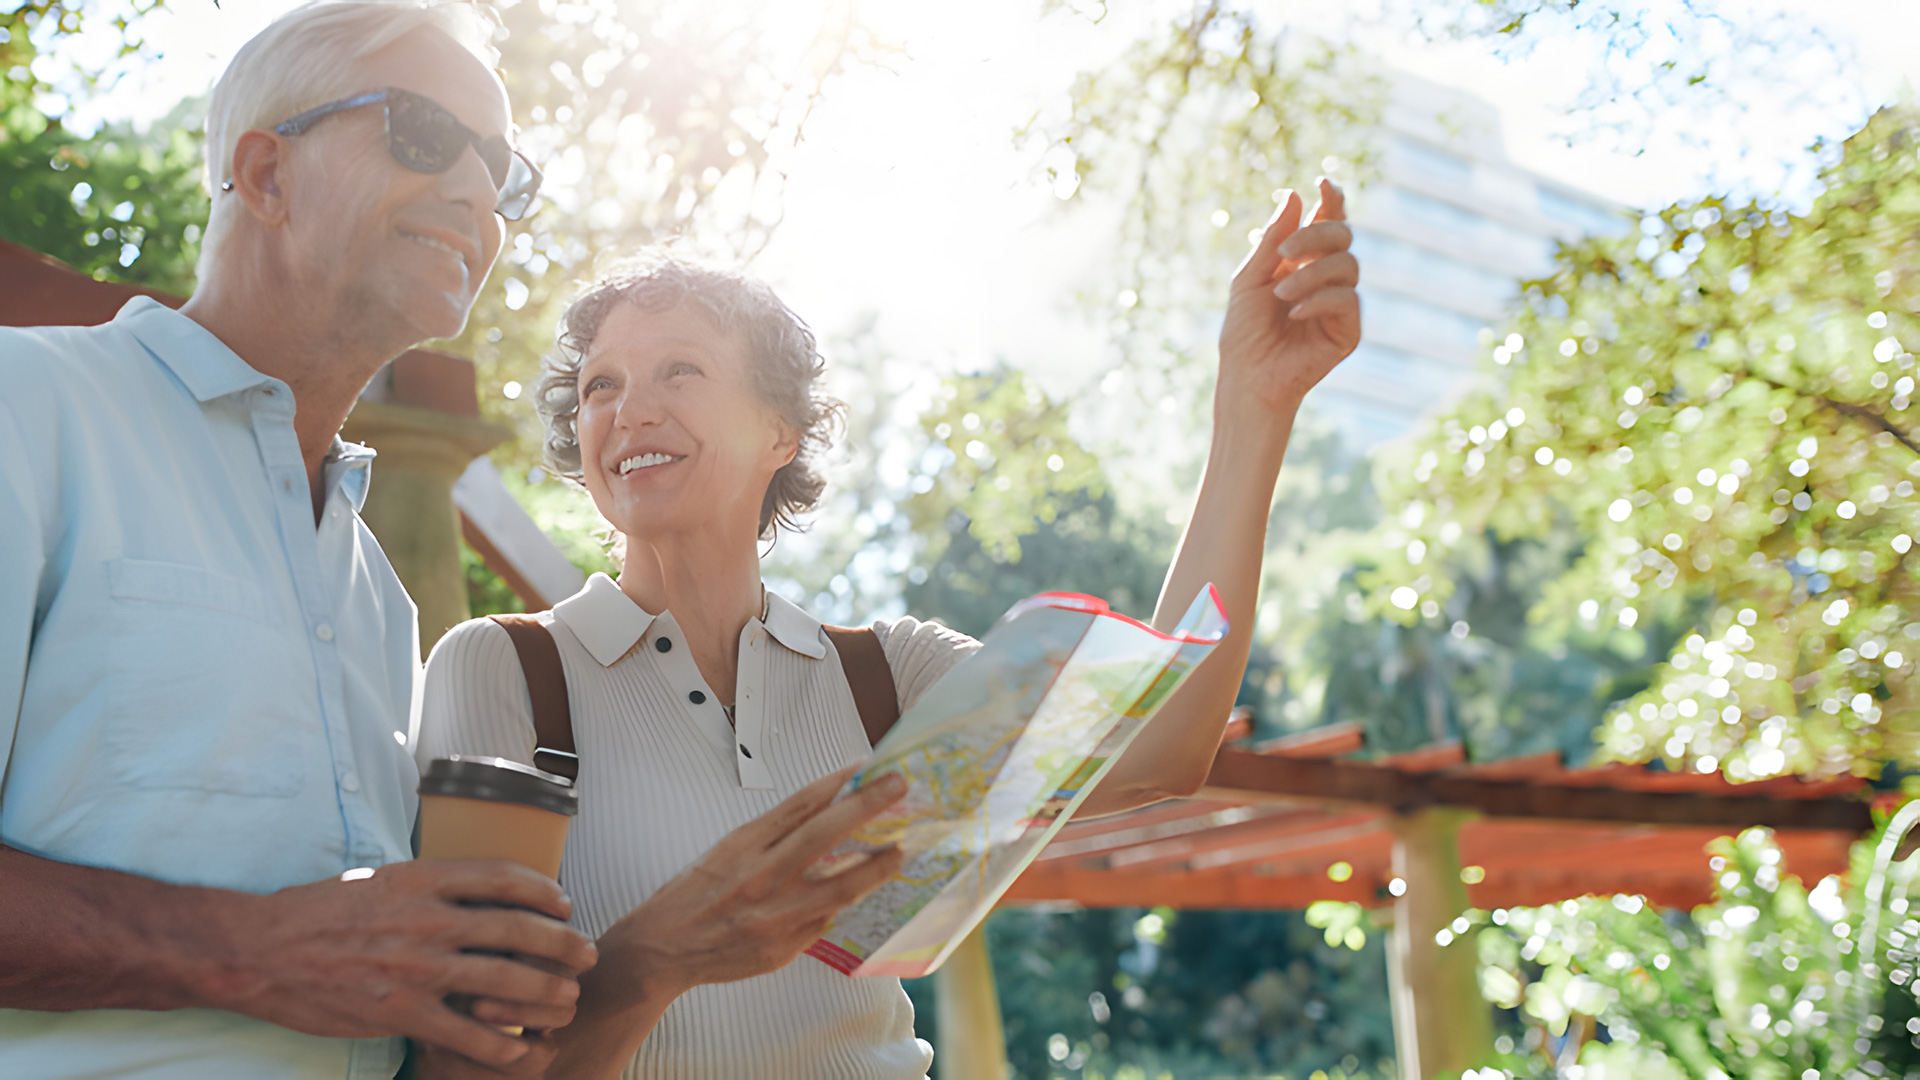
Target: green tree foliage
{"x": 1718, "y": 410}
{"x": 1696, "y": 72}
{"x": 1003, "y": 459}
{"x": 1128, "y": 993}
{"x": 1195, "y": 127}
{"x": 1767, "y": 981}
{"x": 1477, "y": 668}
{"x": 1088, "y": 547}
{"x": 487, "y": 592}
{"x": 859, "y": 545}
{"x": 121, "y": 204}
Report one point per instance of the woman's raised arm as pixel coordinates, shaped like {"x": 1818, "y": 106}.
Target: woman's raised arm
{"x": 1292, "y": 314}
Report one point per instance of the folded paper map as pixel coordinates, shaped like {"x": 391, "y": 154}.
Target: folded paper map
{"x": 997, "y": 756}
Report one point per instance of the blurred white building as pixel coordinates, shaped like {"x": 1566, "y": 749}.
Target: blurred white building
{"x": 1445, "y": 232}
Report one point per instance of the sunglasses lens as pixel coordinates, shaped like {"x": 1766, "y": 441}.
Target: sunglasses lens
{"x": 497, "y": 156}
{"x": 522, "y": 184}
{"x": 423, "y": 136}
{"x": 427, "y": 138}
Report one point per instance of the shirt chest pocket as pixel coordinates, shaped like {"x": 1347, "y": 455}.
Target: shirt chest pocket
{"x": 203, "y": 690}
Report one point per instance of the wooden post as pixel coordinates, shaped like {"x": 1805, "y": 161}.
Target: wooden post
{"x": 973, "y": 1044}
{"x": 410, "y": 500}
{"x": 1440, "y": 1022}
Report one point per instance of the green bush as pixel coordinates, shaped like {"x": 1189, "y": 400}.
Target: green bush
{"x": 1770, "y": 981}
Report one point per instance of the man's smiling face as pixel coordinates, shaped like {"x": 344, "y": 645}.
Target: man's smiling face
{"x": 402, "y": 252}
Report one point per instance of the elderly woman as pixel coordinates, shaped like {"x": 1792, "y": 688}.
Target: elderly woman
{"x": 686, "y": 400}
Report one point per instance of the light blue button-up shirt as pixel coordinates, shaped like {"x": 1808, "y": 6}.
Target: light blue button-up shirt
{"x": 196, "y": 683}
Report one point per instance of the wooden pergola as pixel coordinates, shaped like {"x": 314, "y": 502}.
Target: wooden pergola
{"x": 1273, "y": 819}
{"x": 1422, "y": 836}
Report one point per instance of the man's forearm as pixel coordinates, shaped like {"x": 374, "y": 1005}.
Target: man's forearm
{"x": 78, "y": 937}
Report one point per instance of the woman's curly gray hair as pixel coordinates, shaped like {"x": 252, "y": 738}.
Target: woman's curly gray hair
{"x": 781, "y": 353}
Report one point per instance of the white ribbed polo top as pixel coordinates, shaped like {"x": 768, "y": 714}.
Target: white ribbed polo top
{"x": 663, "y": 777}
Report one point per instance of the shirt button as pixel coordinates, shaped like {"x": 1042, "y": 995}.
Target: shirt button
{"x": 746, "y": 753}
{"x": 324, "y": 631}
{"x": 350, "y": 783}
{"x": 664, "y": 645}
{"x": 697, "y": 698}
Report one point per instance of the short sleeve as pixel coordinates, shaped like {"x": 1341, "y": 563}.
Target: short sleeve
{"x": 920, "y": 653}
{"x": 475, "y": 700}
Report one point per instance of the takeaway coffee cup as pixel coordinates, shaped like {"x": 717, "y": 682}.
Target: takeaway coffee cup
{"x": 492, "y": 808}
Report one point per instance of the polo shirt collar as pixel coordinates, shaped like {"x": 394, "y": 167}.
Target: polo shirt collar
{"x": 606, "y": 620}
{"x": 195, "y": 356}
{"x": 793, "y": 627}
{"x": 610, "y": 624}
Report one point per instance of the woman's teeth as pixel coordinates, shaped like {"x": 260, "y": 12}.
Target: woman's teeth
{"x": 643, "y": 461}
{"x": 440, "y": 245}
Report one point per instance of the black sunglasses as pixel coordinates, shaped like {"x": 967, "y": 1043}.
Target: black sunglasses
{"x": 427, "y": 138}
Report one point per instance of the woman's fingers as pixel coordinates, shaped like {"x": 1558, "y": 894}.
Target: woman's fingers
{"x": 1338, "y": 270}
{"x": 1341, "y": 301}
{"x": 1333, "y": 202}
{"x": 844, "y": 889}
{"x": 770, "y": 828}
{"x": 1316, "y": 240}
{"x": 1264, "y": 260}
{"x": 814, "y": 838}
{"x": 1285, "y": 244}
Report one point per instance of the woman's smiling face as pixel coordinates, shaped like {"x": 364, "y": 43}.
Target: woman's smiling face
{"x": 673, "y": 436}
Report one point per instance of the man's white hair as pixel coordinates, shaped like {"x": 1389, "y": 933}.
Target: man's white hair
{"x": 308, "y": 56}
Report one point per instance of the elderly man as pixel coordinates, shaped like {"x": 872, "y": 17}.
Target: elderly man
{"x": 206, "y": 664}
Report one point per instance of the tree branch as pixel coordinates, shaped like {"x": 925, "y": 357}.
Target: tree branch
{"x": 1847, "y": 408}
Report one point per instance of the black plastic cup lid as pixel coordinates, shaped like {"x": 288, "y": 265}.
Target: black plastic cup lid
{"x": 499, "y": 780}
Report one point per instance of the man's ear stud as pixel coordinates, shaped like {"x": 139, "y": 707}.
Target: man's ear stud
{"x": 226, "y": 185}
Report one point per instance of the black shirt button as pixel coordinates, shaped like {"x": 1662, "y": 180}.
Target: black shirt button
{"x": 664, "y": 644}
{"x": 746, "y": 753}
{"x": 697, "y": 698}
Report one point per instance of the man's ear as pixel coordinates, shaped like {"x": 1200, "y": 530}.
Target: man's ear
{"x": 259, "y": 163}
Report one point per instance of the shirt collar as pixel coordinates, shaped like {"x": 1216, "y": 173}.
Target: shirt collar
{"x": 191, "y": 351}
{"x": 348, "y": 467}
{"x": 793, "y": 627}
{"x": 610, "y": 624}
{"x": 606, "y": 620}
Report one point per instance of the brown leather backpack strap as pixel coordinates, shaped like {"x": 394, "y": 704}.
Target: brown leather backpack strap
{"x": 547, "y": 687}
{"x": 869, "y": 677}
